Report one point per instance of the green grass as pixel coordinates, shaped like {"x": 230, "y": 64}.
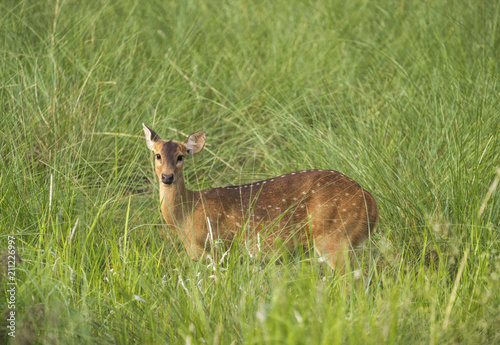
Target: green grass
{"x": 404, "y": 97}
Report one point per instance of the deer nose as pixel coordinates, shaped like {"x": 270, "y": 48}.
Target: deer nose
{"x": 167, "y": 179}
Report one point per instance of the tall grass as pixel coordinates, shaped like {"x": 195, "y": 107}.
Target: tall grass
{"x": 401, "y": 96}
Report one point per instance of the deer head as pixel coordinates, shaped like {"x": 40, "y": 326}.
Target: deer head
{"x": 169, "y": 155}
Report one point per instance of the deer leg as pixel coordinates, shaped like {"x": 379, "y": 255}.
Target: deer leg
{"x": 331, "y": 251}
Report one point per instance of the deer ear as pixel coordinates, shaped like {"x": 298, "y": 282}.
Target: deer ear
{"x": 151, "y": 137}
{"x": 195, "y": 142}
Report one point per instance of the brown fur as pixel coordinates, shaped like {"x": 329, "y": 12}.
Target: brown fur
{"x": 324, "y": 207}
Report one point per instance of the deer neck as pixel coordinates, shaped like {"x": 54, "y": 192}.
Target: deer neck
{"x": 176, "y": 203}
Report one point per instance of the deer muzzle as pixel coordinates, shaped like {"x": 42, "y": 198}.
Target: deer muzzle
{"x": 167, "y": 179}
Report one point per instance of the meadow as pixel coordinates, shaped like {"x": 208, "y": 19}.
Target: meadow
{"x": 401, "y": 96}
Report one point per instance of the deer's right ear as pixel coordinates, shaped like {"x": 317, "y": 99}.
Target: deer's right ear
{"x": 151, "y": 137}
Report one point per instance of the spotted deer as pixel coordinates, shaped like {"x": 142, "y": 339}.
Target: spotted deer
{"x": 320, "y": 207}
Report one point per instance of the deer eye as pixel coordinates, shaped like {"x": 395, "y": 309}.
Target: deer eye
{"x": 158, "y": 156}
{"x": 180, "y": 158}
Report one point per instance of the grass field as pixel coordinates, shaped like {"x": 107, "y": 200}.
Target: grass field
{"x": 402, "y": 96}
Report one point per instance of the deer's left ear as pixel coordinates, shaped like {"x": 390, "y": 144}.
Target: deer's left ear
{"x": 151, "y": 137}
{"x": 195, "y": 142}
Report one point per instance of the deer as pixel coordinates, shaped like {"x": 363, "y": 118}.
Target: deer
{"x": 320, "y": 208}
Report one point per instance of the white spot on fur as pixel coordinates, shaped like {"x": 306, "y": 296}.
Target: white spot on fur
{"x": 283, "y": 200}
{"x": 238, "y": 224}
{"x": 302, "y": 206}
{"x": 272, "y": 180}
{"x": 294, "y": 199}
{"x": 312, "y": 191}
{"x": 304, "y": 193}
{"x": 293, "y": 173}
{"x": 346, "y": 194}
{"x": 319, "y": 184}
{"x": 344, "y": 210}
